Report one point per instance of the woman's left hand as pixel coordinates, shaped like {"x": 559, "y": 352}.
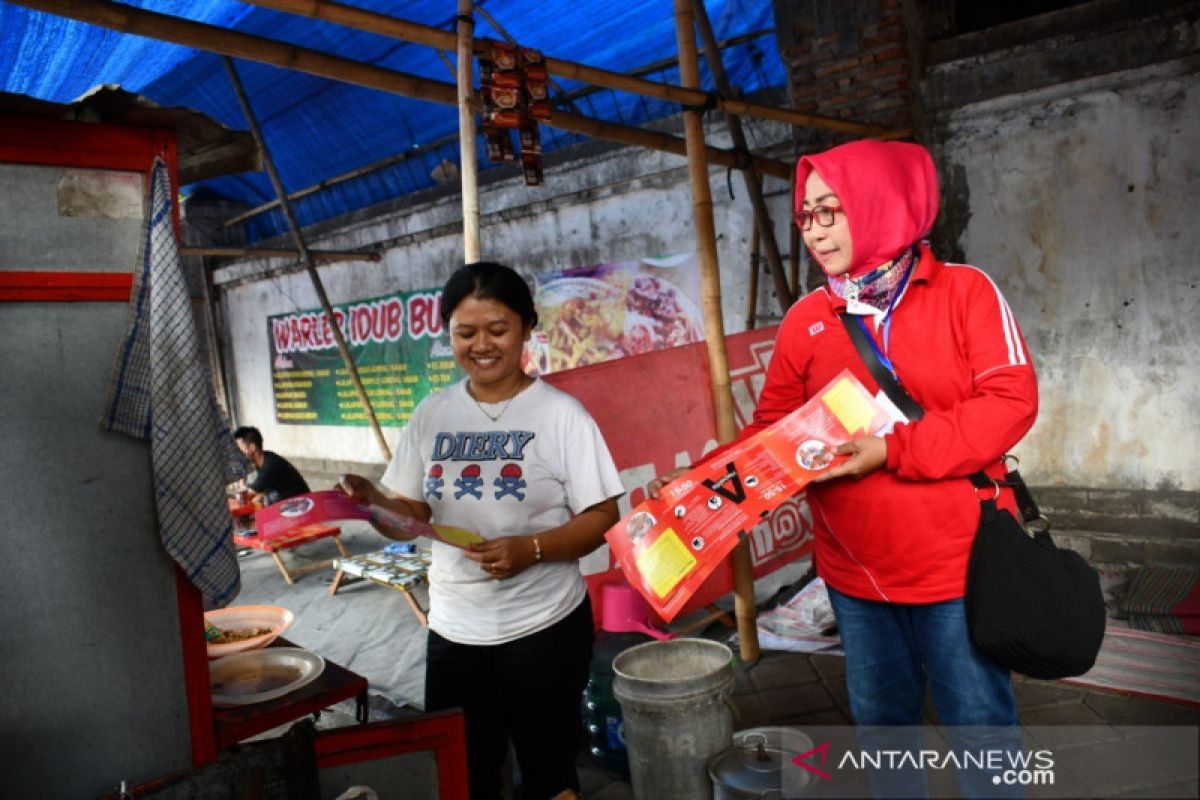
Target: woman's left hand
{"x": 867, "y": 454}
{"x": 504, "y": 557}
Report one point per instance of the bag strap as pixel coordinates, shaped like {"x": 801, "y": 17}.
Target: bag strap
{"x": 912, "y": 409}
{"x": 882, "y": 375}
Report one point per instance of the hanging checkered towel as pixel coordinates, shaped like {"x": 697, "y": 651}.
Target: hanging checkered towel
{"x": 160, "y": 390}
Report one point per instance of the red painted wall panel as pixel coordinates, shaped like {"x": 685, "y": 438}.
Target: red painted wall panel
{"x": 655, "y": 406}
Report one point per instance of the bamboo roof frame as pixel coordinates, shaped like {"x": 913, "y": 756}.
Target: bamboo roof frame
{"x": 223, "y": 41}
{"x": 279, "y": 252}
{"x": 762, "y": 216}
{"x": 387, "y": 161}
{"x": 306, "y": 256}
{"x": 349, "y": 175}
{"x": 374, "y": 22}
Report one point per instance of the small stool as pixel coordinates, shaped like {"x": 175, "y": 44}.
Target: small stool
{"x": 401, "y": 571}
{"x": 294, "y": 538}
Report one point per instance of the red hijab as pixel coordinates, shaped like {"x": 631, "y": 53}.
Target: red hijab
{"x": 888, "y": 190}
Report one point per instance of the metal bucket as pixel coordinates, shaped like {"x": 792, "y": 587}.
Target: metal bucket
{"x": 672, "y": 696}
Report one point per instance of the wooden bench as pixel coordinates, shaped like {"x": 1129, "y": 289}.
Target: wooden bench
{"x": 294, "y": 538}
{"x": 403, "y": 572}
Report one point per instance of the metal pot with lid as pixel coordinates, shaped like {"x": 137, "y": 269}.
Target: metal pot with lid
{"x": 757, "y": 766}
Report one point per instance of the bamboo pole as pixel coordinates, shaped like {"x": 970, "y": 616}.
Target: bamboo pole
{"x": 279, "y": 252}
{"x": 128, "y": 19}
{"x": 714, "y": 325}
{"x": 466, "y": 133}
{"x": 765, "y": 166}
{"x": 669, "y": 61}
{"x": 366, "y": 169}
{"x": 752, "y": 297}
{"x": 665, "y": 142}
{"x": 136, "y": 21}
{"x": 706, "y": 235}
{"x": 762, "y": 214}
{"x": 445, "y": 59}
{"x": 361, "y": 19}
{"x": 309, "y": 262}
{"x": 374, "y": 166}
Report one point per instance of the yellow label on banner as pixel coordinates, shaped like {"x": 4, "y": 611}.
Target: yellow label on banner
{"x": 665, "y": 563}
{"x": 852, "y": 408}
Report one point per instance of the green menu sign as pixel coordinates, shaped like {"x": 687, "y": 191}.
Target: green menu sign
{"x": 396, "y": 341}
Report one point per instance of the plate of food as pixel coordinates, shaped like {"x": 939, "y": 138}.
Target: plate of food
{"x": 657, "y": 315}
{"x": 582, "y": 319}
{"x": 240, "y": 628}
{"x": 814, "y": 455}
{"x": 260, "y": 675}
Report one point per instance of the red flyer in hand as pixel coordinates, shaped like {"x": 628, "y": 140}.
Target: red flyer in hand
{"x": 668, "y": 546}
{"x": 317, "y": 508}
{"x": 302, "y": 510}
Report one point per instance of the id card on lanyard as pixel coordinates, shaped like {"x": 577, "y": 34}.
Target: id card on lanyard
{"x": 859, "y": 309}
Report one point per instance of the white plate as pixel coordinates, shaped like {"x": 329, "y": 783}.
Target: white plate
{"x": 260, "y": 675}
{"x": 242, "y": 618}
{"x": 558, "y": 290}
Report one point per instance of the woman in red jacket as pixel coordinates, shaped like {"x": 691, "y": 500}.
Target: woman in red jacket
{"x": 895, "y": 522}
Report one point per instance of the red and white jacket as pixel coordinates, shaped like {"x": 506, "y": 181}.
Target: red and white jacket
{"x": 903, "y": 533}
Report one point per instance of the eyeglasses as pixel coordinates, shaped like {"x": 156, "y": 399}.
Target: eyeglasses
{"x": 824, "y": 215}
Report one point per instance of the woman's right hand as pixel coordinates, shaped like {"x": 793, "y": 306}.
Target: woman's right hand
{"x": 359, "y": 488}
{"x": 656, "y": 485}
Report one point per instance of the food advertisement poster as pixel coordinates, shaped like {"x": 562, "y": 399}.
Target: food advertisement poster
{"x": 397, "y": 342}
{"x": 668, "y": 546}
{"x": 589, "y": 315}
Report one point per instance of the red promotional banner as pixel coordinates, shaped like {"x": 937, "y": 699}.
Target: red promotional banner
{"x": 668, "y": 545}
{"x": 656, "y": 413}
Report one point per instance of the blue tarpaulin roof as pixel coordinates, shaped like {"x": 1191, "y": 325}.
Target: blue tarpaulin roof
{"x": 317, "y": 128}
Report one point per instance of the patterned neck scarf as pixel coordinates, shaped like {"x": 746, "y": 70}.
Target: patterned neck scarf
{"x": 876, "y": 288}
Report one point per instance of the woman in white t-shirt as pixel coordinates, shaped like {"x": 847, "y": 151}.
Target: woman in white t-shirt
{"x": 524, "y": 465}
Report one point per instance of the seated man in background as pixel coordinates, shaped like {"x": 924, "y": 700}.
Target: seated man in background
{"x": 275, "y": 479}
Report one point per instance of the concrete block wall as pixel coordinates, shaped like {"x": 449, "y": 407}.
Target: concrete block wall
{"x": 1125, "y": 528}
{"x": 846, "y": 59}
{"x": 609, "y": 204}
{"x": 850, "y": 60}
{"x": 1066, "y": 146}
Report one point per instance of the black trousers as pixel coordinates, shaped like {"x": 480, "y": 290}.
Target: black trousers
{"x": 527, "y": 690}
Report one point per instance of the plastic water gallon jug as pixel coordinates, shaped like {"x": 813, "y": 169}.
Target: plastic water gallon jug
{"x": 601, "y": 711}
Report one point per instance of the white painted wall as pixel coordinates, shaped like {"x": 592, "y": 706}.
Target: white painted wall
{"x": 1083, "y": 206}
{"x": 1103, "y": 277}
{"x": 617, "y": 206}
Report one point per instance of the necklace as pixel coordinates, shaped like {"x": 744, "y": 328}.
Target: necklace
{"x": 496, "y": 417}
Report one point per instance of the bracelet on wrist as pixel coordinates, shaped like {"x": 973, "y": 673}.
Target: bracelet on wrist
{"x": 537, "y": 549}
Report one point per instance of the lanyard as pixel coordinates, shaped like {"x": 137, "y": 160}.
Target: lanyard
{"x": 887, "y": 323}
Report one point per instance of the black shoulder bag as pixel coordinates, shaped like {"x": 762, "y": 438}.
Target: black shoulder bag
{"x": 1031, "y": 607}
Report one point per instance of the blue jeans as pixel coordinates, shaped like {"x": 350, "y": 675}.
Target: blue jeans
{"x": 892, "y": 652}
